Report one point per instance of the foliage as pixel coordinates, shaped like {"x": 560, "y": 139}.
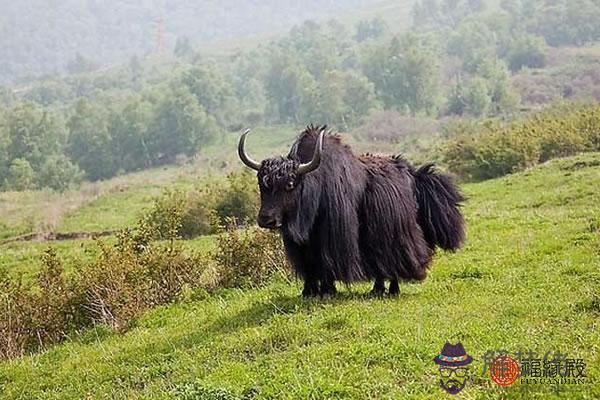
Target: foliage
{"x": 237, "y": 199}
{"x": 177, "y": 214}
{"x": 249, "y": 257}
{"x": 129, "y": 277}
{"x": 33, "y": 317}
{"x": 20, "y": 175}
{"x": 405, "y": 73}
{"x": 499, "y": 150}
{"x": 153, "y": 111}
{"x": 135, "y": 275}
{"x": 370, "y": 29}
{"x": 527, "y": 51}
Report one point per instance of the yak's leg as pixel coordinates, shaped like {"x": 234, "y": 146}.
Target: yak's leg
{"x": 394, "y": 287}
{"x": 328, "y": 287}
{"x": 378, "y": 287}
{"x": 311, "y": 287}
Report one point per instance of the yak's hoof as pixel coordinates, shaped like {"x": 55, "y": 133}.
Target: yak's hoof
{"x": 327, "y": 296}
{"x": 309, "y": 294}
{"x": 394, "y": 289}
{"x": 328, "y": 291}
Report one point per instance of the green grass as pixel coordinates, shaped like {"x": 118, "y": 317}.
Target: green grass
{"x": 23, "y": 259}
{"x": 118, "y": 202}
{"x": 528, "y": 279}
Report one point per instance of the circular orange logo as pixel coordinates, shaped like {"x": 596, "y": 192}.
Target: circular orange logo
{"x": 504, "y": 370}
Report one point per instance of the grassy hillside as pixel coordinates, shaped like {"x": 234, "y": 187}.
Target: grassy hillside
{"x": 527, "y": 280}
{"x": 117, "y": 203}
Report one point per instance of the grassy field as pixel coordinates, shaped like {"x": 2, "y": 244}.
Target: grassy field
{"x": 117, "y": 203}
{"x": 528, "y": 280}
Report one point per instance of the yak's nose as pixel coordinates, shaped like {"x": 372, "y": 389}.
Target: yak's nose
{"x": 268, "y": 221}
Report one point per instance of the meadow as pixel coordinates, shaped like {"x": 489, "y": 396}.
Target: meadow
{"x": 527, "y": 280}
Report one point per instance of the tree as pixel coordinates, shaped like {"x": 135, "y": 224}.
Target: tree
{"x": 324, "y": 103}
{"x": 359, "y": 98}
{"x": 180, "y": 126}
{"x": 369, "y": 29}
{"x": 80, "y": 64}
{"x": 497, "y": 77}
{"x": 183, "y": 47}
{"x": 527, "y": 51}
{"x": 472, "y": 42}
{"x": 34, "y": 133}
{"x": 129, "y": 130}
{"x": 289, "y": 88}
{"x": 20, "y": 175}
{"x": 214, "y": 91}
{"x": 477, "y": 98}
{"x": 405, "y": 74}
{"x": 4, "y": 144}
{"x": 58, "y": 173}
{"x": 90, "y": 141}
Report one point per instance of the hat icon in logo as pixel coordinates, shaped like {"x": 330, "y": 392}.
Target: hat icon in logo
{"x": 453, "y": 363}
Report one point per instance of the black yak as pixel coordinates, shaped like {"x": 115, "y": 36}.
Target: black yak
{"x": 348, "y": 218}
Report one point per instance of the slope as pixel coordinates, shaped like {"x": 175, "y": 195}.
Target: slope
{"x": 527, "y": 280}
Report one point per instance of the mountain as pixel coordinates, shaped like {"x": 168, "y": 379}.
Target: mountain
{"x": 45, "y": 36}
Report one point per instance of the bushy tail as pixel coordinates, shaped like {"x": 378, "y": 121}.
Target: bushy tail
{"x": 439, "y": 208}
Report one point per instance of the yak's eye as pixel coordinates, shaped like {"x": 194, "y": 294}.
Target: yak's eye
{"x": 289, "y": 186}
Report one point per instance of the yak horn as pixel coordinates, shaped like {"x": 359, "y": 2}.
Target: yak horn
{"x": 316, "y": 160}
{"x": 242, "y": 152}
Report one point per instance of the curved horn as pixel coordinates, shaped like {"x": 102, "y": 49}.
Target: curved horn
{"x": 242, "y": 152}
{"x": 316, "y": 160}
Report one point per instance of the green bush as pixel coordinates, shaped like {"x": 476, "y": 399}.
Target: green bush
{"x": 35, "y": 315}
{"x": 498, "y": 150}
{"x": 238, "y": 200}
{"x": 177, "y": 214}
{"x": 129, "y": 277}
{"x": 248, "y": 257}
{"x": 135, "y": 275}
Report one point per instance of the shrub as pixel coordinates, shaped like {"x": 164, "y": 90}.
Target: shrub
{"x": 498, "y": 150}
{"x": 177, "y": 214}
{"x": 136, "y": 275}
{"x": 239, "y": 201}
{"x": 32, "y": 316}
{"x": 128, "y": 278}
{"x": 164, "y": 219}
{"x": 15, "y": 317}
{"x": 248, "y": 257}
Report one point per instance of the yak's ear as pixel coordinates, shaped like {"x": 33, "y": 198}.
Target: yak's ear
{"x": 309, "y": 199}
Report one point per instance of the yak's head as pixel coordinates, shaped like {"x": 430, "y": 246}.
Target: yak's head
{"x": 278, "y": 180}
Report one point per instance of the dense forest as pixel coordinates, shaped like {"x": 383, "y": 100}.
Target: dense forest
{"x": 460, "y": 58}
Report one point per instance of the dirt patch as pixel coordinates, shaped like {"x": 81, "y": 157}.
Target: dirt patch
{"x": 51, "y": 236}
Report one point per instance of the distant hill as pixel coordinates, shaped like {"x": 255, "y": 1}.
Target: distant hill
{"x": 45, "y": 36}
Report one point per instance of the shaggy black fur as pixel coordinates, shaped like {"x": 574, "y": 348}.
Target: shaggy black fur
{"x": 357, "y": 218}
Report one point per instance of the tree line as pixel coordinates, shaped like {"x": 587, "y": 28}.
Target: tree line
{"x": 456, "y": 60}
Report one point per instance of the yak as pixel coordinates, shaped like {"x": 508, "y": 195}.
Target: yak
{"x": 351, "y": 218}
